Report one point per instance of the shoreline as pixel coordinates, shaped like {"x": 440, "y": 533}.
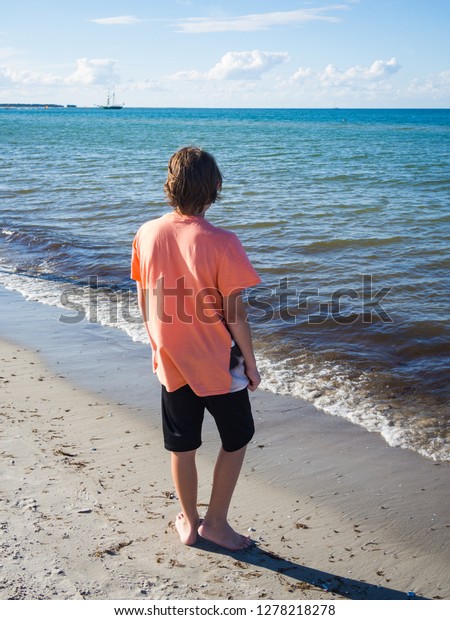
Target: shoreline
{"x": 376, "y": 401}
{"x": 335, "y": 511}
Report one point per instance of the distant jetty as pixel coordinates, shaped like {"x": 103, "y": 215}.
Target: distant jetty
{"x": 34, "y": 105}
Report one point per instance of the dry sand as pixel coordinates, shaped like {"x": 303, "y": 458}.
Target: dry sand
{"x": 88, "y": 506}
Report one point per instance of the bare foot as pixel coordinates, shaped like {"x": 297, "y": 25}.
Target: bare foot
{"x": 186, "y": 531}
{"x": 223, "y": 534}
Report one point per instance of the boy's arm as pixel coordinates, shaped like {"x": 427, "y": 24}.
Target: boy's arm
{"x": 141, "y": 301}
{"x": 235, "y": 316}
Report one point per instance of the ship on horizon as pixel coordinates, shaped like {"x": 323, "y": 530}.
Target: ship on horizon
{"x": 111, "y": 103}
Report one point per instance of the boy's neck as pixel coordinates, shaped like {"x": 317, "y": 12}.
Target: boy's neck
{"x": 200, "y": 214}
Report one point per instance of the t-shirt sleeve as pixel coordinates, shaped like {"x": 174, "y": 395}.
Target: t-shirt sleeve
{"x": 235, "y": 269}
{"x": 135, "y": 264}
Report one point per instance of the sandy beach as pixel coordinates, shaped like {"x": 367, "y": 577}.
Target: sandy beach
{"x": 88, "y": 504}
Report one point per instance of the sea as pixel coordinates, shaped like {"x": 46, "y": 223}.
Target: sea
{"x": 345, "y": 214}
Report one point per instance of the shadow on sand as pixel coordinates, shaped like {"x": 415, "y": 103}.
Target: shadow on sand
{"x": 328, "y": 582}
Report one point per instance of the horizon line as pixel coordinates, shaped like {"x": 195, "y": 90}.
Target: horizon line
{"x": 175, "y": 107}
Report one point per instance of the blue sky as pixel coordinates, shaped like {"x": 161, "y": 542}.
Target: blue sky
{"x": 246, "y": 53}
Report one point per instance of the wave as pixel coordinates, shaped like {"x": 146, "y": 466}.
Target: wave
{"x": 351, "y": 178}
{"x": 403, "y": 420}
{"x": 334, "y": 244}
{"x": 260, "y": 224}
{"x": 36, "y": 251}
{"x": 33, "y": 239}
{"x": 10, "y": 192}
{"x": 18, "y": 235}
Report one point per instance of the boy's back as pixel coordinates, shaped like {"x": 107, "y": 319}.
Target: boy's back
{"x": 186, "y": 266}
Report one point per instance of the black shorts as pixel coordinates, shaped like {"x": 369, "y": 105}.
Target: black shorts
{"x": 183, "y": 412}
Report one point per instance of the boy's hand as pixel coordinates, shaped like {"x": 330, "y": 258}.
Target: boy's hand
{"x": 235, "y": 317}
{"x": 254, "y": 377}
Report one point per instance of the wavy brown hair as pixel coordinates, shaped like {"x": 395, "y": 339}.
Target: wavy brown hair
{"x": 193, "y": 180}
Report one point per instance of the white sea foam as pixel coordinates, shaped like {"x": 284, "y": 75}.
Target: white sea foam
{"x": 331, "y": 390}
{"x": 33, "y": 289}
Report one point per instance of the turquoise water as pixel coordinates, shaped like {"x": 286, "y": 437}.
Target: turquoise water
{"x": 344, "y": 213}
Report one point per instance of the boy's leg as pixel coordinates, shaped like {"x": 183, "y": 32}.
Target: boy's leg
{"x": 184, "y": 474}
{"x": 233, "y": 416}
{"x": 182, "y": 417}
{"x": 215, "y": 526}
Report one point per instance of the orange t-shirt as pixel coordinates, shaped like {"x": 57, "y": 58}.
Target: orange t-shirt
{"x": 186, "y": 266}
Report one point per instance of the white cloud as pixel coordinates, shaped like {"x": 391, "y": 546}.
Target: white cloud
{"x": 302, "y": 73}
{"x": 12, "y": 77}
{"x": 238, "y": 65}
{"x": 258, "y": 21}
{"x": 122, "y": 20}
{"x": 355, "y": 86}
{"x": 378, "y": 71}
{"x": 246, "y": 65}
{"x": 149, "y": 84}
{"x": 434, "y": 86}
{"x": 101, "y": 71}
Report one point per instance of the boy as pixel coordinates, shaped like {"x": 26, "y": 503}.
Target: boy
{"x": 190, "y": 275}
